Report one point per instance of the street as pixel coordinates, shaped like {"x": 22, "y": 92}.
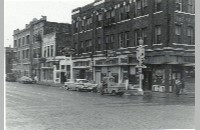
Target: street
{"x": 37, "y": 107}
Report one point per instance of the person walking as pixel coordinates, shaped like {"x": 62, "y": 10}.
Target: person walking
{"x": 182, "y": 86}
{"x": 177, "y": 86}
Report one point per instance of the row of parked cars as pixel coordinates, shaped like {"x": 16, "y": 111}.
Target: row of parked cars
{"x": 108, "y": 86}
{"x": 10, "y": 77}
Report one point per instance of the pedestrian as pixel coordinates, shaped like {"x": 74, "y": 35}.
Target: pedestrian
{"x": 36, "y": 79}
{"x": 182, "y": 86}
{"x": 177, "y": 86}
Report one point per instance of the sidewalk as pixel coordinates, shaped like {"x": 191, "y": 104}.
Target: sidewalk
{"x": 49, "y": 84}
{"x": 161, "y": 94}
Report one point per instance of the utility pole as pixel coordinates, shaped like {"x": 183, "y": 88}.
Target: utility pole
{"x": 140, "y": 55}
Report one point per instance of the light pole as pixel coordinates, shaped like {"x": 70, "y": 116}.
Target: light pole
{"x": 140, "y": 55}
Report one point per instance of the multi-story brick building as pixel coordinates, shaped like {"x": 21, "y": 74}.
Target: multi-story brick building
{"x": 28, "y": 45}
{"x": 106, "y": 33}
{"x": 9, "y": 57}
{"x": 56, "y": 65}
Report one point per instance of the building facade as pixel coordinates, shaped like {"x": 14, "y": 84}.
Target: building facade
{"x": 105, "y": 35}
{"x": 9, "y": 57}
{"x": 28, "y": 45}
{"x": 55, "y": 66}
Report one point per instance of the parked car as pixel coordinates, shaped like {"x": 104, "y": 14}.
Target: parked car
{"x": 10, "y": 77}
{"x": 81, "y": 85}
{"x": 26, "y": 80}
{"x": 108, "y": 86}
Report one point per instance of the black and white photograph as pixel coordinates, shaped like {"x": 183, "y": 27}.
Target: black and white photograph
{"x": 99, "y": 64}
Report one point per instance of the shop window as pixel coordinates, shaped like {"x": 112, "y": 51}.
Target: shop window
{"x": 115, "y": 75}
{"x": 190, "y": 35}
{"x": 178, "y": 5}
{"x": 191, "y": 8}
{"x": 157, "y": 34}
{"x": 178, "y": 33}
{"x": 158, "y": 5}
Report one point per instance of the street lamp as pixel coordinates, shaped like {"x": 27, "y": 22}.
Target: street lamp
{"x": 140, "y": 55}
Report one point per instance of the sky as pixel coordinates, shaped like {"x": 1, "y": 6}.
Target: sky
{"x": 17, "y": 13}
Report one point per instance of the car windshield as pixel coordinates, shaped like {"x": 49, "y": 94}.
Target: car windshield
{"x": 82, "y": 81}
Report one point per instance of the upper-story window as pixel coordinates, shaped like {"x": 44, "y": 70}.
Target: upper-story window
{"x": 110, "y": 16}
{"x": 191, "y": 8}
{"x": 23, "y": 40}
{"x": 27, "y": 39}
{"x": 137, "y": 36}
{"x": 76, "y": 27}
{"x": 45, "y": 52}
{"x": 89, "y": 23}
{"x": 121, "y": 39}
{"x": 88, "y": 46}
{"x": 99, "y": 44}
{"x": 121, "y": 12}
{"x": 144, "y": 35}
{"x": 52, "y": 50}
{"x": 99, "y": 19}
{"x": 190, "y": 35}
{"x": 127, "y": 39}
{"x": 15, "y": 43}
{"x": 27, "y": 53}
{"x": 158, "y": 34}
{"x": 19, "y": 42}
{"x": 158, "y": 4}
{"x": 178, "y": 33}
{"x": 112, "y": 40}
{"x": 141, "y": 7}
{"x": 127, "y": 12}
{"x": 178, "y": 5}
{"x": 83, "y": 24}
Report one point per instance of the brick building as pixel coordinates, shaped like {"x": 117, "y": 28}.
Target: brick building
{"x": 106, "y": 32}
{"x": 9, "y": 57}
{"x": 28, "y": 45}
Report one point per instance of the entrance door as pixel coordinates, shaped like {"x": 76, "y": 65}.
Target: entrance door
{"x": 98, "y": 77}
{"x": 63, "y": 77}
{"x": 147, "y": 81}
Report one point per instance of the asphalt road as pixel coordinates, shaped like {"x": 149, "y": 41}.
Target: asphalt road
{"x": 36, "y": 107}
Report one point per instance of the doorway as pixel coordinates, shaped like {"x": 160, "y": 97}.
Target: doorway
{"x": 63, "y": 77}
{"x": 147, "y": 81}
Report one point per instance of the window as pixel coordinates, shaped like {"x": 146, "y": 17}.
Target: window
{"x": 89, "y": 23}
{"x": 15, "y": 43}
{"x": 57, "y": 75}
{"x": 76, "y": 27}
{"x": 190, "y": 35}
{"x": 48, "y": 51}
{"x": 137, "y": 36}
{"x": 99, "y": 19}
{"x": 158, "y": 5}
{"x": 34, "y": 53}
{"x": 83, "y": 24}
{"x": 178, "y": 5}
{"x": 138, "y": 8}
{"x": 62, "y": 67}
{"x": 23, "y": 55}
{"x": 88, "y": 45}
{"x": 121, "y": 12}
{"x": 178, "y": 33}
{"x": 52, "y": 51}
{"x": 127, "y": 42}
{"x": 27, "y": 53}
{"x": 127, "y": 11}
{"x": 45, "y": 51}
{"x": 112, "y": 40}
{"x": 18, "y": 54}
{"x": 19, "y": 42}
{"x": 57, "y": 67}
{"x": 23, "y": 40}
{"x": 27, "y": 39}
{"x": 157, "y": 34}
{"x": 144, "y": 35}
{"x": 121, "y": 40}
{"x": 191, "y": 8}
{"x": 38, "y": 52}
{"x": 99, "y": 42}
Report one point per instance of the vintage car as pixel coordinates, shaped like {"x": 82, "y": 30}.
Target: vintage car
{"x": 25, "y": 80}
{"x": 108, "y": 86}
{"x": 81, "y": 85}
{"x": 10, "y": 77}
